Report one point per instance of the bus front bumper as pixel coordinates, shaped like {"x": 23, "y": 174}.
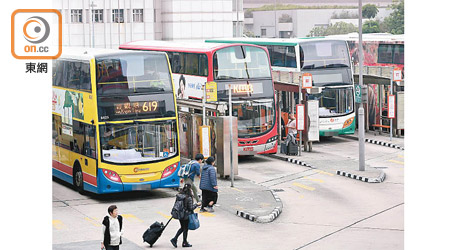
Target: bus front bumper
{"x": 268, "y": 148}
{"x": 108, "y": 186}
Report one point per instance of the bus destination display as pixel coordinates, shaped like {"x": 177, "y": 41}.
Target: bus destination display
{"x": 136, "y": 107}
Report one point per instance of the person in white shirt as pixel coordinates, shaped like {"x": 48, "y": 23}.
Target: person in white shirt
{"x": 292, "y": 125}
{"x": 112, "y": 229}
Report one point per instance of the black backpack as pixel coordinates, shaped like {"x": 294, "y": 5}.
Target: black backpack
{"x": 178, "y": 210}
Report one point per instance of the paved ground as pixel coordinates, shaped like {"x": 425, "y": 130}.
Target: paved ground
{"x": 320, "y": 210}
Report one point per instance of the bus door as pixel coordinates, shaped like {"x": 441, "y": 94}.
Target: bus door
{"x": 83, "y": 150}
{"x": 89, "y": 151}
{"x": 56, "y": 135}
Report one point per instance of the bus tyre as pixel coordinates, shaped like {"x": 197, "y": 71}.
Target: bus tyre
{"x": 78, "y": 179}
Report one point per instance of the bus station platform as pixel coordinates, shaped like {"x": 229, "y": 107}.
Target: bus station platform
{"x": 344, "y": 166}
{"x": 247, "y": 199}
{"x": 382, "y": 139}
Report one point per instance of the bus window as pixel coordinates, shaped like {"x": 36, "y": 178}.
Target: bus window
{"x": 78, "y": 137}
{"x": 133, "y": 74}
{"x": 54, "y": 62}
{"x": 282, "y": 56}
{"x": 188, "y": 63}
{"x": 73, "y": 76}
{"x": 385, "y": 53}
{"x": 278, "y": 56}
{"x": 203, "y": 70}
{"x": 230, "y": 65}
{"x": 325, "y": 54}
{"x": 85, "y": 76}
{"x": 56, "y": 125}
{"x": 191, "y": 62}
{"x": 131, "y": 143}
{"x": 291, "y": 59}
{"x": 58, "y": 73}
{"x": 398, "y": 54}
{"x": 89, "y": 145}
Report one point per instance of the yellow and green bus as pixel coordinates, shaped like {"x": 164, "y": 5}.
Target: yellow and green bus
{"x": 115, "y": 124}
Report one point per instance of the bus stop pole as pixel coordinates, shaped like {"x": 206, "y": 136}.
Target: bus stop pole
{"x": 392, "y": 92}
{"x": 204, "y": 103}
{"x": 361, "y": 117}
{"x": 300, "y": 98}
{"x": 230, "y": 113}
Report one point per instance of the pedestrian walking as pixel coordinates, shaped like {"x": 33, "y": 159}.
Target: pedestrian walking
{"x": 194, "y": 171}
{"x": 208, "y": 185}
{"x": 112, "y": 229}
{"x": 183, "y": 212}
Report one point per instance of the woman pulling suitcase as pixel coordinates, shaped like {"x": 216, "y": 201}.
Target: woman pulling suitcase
{"x": 185, "y": 198}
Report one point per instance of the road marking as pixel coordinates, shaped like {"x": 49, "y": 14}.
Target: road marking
{"x": 237, "y": 207}
{"x": 207, "y": 214}
{"x": 312, "y": 179}
{"x": 303, "y": 186}
{"x": 237, "y": 189}
{"x": 93, "y": 221}
{"x": 263, "y": 204}
{"x": 323, "y": 172}
{"x": 131, "y": 217}
{"x": 301, "y": 196}
{"x": 398, "y": 162}
{"x": 57, "y": 224}
{"x": 401, "y": 156}
{"x": 165, "y": 215}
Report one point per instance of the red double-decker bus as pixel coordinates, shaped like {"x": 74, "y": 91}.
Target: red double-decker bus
{"x": 380, "y": 49}
{"x": 245, "y": 67}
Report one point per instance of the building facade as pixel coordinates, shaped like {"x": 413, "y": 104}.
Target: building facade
{"x": 298, "y": 22}
{"x": 109, "y": 23}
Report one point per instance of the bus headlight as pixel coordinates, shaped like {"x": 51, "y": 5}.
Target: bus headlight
{"x": 348, "y": 122}
{"x": 169, "y": 170}
{"x": 272, "y": 139}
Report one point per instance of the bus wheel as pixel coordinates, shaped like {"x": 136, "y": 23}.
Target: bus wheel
{"x": 78, "y": 179}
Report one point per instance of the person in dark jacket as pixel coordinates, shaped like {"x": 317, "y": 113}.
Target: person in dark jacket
{"x": 185, "y": 195}
{"x": 194, "y": 171}
{"x": 208, "y": 185}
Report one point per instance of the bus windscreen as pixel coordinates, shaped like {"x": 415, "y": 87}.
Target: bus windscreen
{"x": 241, "y": 62}
{"x": 138, "y": 143}
{"x": 334, "y": 101}
{"x": 324, "y": 54}
{"x": 255, "y": 117}
{"x": 132, "y": 73}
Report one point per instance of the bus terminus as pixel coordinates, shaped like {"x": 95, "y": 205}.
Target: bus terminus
{"x": 114, "y": 121}
{"x": 245, "y": 67}
{"x": 329, "y": 63}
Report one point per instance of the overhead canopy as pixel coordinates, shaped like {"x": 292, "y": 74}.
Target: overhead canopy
{"x": 373, "y": 79}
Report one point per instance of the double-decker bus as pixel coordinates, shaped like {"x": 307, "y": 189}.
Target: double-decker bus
{"x": 115, "y": 125}
{"x": 245, "y": 67}
{"x": 380, "y": 49}
{"x": 328, "y": 61}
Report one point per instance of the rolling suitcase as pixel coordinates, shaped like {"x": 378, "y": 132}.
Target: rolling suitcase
{"x": 292, "y": 148}
{"x": 152, "y": 234}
